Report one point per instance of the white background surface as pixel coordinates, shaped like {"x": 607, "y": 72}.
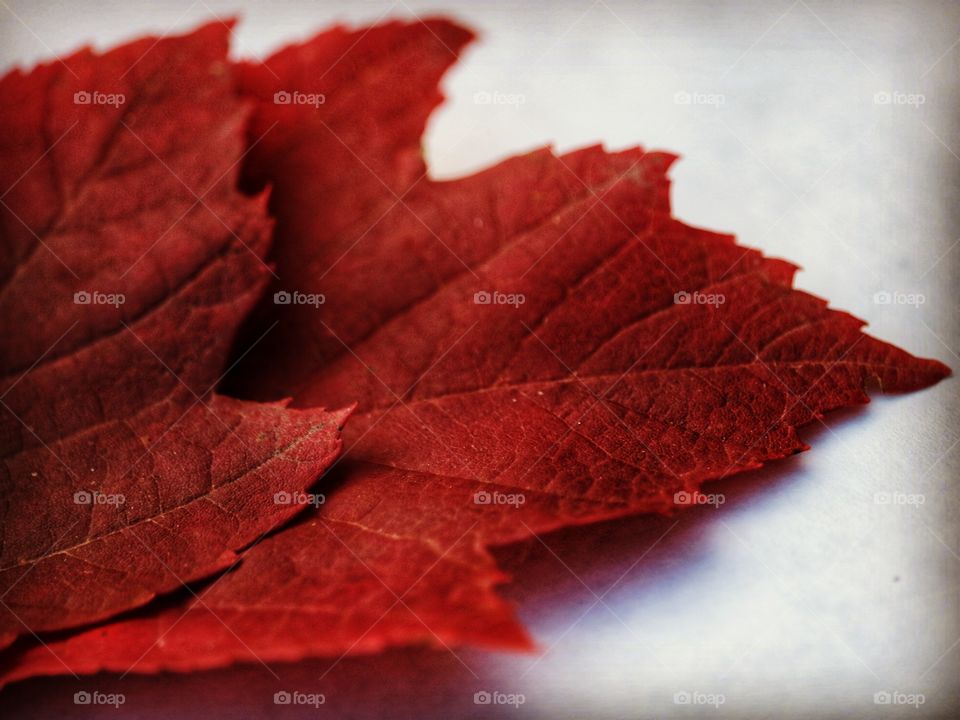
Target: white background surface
{"x": 801, "y": 595}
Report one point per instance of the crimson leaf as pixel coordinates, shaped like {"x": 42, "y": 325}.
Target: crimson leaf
{"x": 129, "y": 259}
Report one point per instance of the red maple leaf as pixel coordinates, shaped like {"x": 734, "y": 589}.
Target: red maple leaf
{"x": 129, "y": 259}
{"x": 535, "y": 346}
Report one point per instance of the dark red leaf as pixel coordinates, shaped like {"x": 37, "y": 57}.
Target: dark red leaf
{"x": 128, "y": 261}
{"x": 324, "y": 587}
{"x": 480, "y": 423}
{"x": 603, "y": 393}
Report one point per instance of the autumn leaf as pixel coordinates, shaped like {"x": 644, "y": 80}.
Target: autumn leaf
{"x": 536, "y": 346}
{"x": 128, "y": 261}
{"x": 323, "y": 587}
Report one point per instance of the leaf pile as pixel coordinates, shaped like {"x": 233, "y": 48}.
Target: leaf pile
{"x": 535, "y": 346}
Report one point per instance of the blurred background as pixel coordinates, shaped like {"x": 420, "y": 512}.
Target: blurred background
{"x": 828, "y": 584}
